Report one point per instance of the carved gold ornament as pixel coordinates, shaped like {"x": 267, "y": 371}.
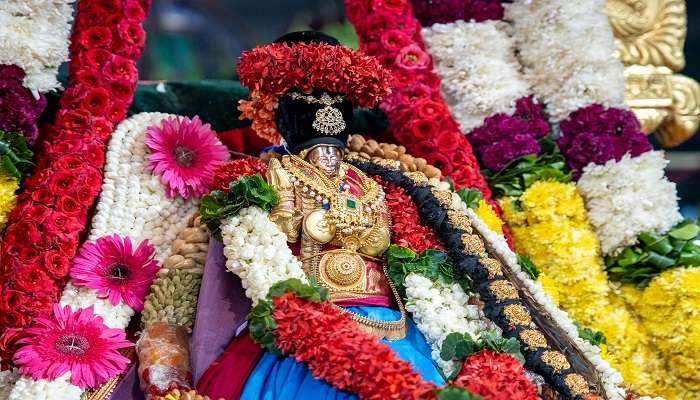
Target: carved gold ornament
{"x": 650, "y": 35}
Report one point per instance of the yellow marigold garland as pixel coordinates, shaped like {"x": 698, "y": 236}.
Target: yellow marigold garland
{"x": 488, "y": 215}
{"x": 8, "y": 187}
{"x": 550, "y": 225}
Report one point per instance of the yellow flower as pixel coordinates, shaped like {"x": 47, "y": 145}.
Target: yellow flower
{"x": 550, "y": 225}
{"x": 669, "y": 310}
{"x": 489, "y": 216}
{"x": 8, "y": 187}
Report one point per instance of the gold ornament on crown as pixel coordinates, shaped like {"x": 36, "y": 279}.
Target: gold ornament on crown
{"x": 650, "y": 35}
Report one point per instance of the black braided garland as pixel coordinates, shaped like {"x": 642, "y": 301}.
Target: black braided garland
{"x": 434, "y": 215}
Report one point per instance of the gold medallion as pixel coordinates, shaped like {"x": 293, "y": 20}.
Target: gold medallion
{"x": 342, "y": 269}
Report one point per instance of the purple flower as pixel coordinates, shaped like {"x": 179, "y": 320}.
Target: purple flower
{"x": 596, "y": 135}
{"x": 19, "y": 110}
{"x": 431, "y": 12}
{"x": 503, "y": 138}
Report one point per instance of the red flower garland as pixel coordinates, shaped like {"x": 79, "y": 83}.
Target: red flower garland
{"x": 418, "y": 116}
{"x": 496, "y": 376}
{"x": 406, "y": 228}
{"x": 339, "y": 353}
{"x": 44, "y": 229}
{"x": 234, "y": 169}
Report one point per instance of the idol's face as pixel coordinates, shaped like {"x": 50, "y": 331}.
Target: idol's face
{"x": 325, "y": 158}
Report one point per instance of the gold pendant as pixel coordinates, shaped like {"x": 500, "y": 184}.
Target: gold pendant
{"x": 342, "y": 269}
{"x": 329, "y": 120}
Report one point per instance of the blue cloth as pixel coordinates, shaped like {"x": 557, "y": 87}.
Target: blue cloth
{"x": 277, "y": 378}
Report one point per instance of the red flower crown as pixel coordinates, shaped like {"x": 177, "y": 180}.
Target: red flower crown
{"x": 272, "y": 70}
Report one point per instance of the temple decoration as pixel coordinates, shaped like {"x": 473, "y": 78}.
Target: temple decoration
{"x": 650, "y": 35}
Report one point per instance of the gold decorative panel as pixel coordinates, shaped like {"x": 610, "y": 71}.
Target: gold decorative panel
{"x": 650, "y": 35}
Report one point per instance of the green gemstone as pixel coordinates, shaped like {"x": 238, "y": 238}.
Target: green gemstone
{"x": 351, "y": 203}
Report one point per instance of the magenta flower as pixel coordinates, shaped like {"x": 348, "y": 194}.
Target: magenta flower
{"x": 76, "y": 342}
{"x": 115, "y": 270}
{"x": 184, "y": 153}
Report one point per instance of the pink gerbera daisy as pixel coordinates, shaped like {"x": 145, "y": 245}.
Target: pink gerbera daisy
{"x": 76, "y": 342}
{"x": 115, "y": 270}
{"x": 184, "y": 153}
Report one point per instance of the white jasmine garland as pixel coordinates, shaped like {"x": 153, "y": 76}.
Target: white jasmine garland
{"x": 35, "y": 37}
{"x": 628, "y": 197}
{"x": 132, "y": 203}
{"x": 478, "y": 70}
{"x": 256, "y": 250}
{"x": 7, "y": 380}
{"x": 566, "y": 49}
{"x": 439, "y": 309}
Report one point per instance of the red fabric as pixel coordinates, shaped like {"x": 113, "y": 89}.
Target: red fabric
{"x": 226, "y": 377}
{"x": 243, "y": 140}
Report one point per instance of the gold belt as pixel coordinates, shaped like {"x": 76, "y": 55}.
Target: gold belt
{"x": 339, "y": 269}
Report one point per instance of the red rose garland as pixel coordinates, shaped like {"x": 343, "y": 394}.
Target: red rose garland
{"x": 339, "y": 353}
{"x": 419, "y": 118}
{"x": 496, "y": 376}
{"x": 44, "y": 229}
{"x": 406, "y": 228}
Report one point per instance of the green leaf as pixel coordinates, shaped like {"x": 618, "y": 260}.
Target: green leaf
{"x": 686, "y": 232}
{"x": 470, "y": 197}
{"x": 596, "y": 338}
{"x": 456, "y": 393}
{"x": 529, "y": 267}
{"x": 15, "y": 155}
{"x": 245, "y": 192}
{"x": 449, "y": 346}
{"x": 654, "y": 254}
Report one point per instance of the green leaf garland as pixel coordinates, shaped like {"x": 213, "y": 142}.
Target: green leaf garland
{"x": 654, "y": 254}
{"x": 245, "y": 192}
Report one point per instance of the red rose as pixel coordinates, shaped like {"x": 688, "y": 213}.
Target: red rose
{"x": 395, "y": 6}
{"x": 134, "y": 11}
{"x": 427, "y": 108}
{"x": 63, "y": 182}
{"x": 116, "y": 113}
{"x": 96, "y": 101}
{"x": 69, "y": 162}
{"x": 22, "y": 232}
{"x": 31, "y": 279}
{"x": 77, "y": 120}
{"x": 94, "y": 59}
{"x": 69, "y": 245}
{"x": 422, "y": 129}
{"x": 121, "y": 89}
{"x": 58, "y": 222}
{"x": 56, "y": 264}
{"x": 94, "y": 155}
{"x": 394, "y": 40}
{"x": 91, "y": 177}
{"x": 440, "y": 161}
{"x": 102, "y": 128}
{"x": 446, "y": 141}
{"x": 357, "y": 11}
{"x": 88, "y": 77}
{"x": 35, "y": 213}
{"x": 133, "y": 32}
{"x": 28, "y": 255}
{"x": 119, "y": 67}
{"x": 68, "y": 205}
{"x": 96, "y": 36}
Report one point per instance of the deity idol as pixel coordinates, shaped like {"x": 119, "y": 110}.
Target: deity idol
{"x": 312, "y": 246}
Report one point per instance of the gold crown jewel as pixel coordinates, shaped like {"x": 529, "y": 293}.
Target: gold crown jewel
{"x": 329, "y": 120}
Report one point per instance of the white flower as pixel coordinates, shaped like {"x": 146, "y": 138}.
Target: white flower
{"x": 478, "y": 70}
{"x": 34, "y": 37}
{"x": 566, "y": 50}
{"x": 257, "y": 251}
{"x": 438, "y": 310}
{"x": 7, "y": 380}
{"x": 59, "y": 389}
{"x": 628, "y": 197}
